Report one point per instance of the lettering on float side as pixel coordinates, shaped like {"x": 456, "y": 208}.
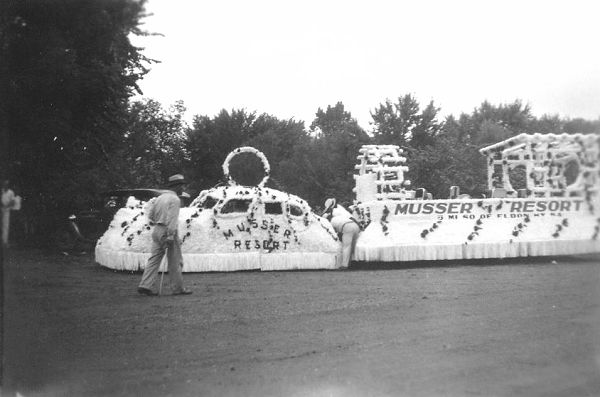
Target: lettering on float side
{"x": 469, "y": 207}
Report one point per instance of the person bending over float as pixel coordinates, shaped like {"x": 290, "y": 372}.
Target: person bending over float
{"x": 346, "y": 226}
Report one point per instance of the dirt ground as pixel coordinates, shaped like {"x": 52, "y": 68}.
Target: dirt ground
{"x": 519, "y": 327}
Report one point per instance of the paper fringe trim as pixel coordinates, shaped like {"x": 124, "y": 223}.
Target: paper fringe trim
{"x": 135, "y": 261}
{"x": 474, "y": 250}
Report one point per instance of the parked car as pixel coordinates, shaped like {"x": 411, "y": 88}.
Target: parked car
{"x": 83, "y": 229}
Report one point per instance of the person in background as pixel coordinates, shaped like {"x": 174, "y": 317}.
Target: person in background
{"x": 9, "y": 202}
{"x": 345, "y": 226}
{"x": 164, "y": 215}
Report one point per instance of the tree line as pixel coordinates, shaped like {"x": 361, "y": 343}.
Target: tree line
{"x": 317, "y": 161}
{"x": 74, "y": 132}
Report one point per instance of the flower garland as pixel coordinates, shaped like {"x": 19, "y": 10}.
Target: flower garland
{"x": 384, "y": 221}
{"x": 289, "y": 221}
{"x": 588, "y": 200}
{"x": 476, "y": 228}
{"x": 256, "y": 201}
{"x": 215, "y": 211}
{"x": 362, "y": 215}
{"x": 188, "y": 223}
{"x": 215, "y": 224}
{"x": 488, "y": 207}
{"x": 246, "y": 149}
{"x": 520, "y": 227}
{"x": 596, "y": 229}
{"x": 327, "y": 229}
{"x": 560, "y": 227}
{"x": 433, "y": 228}
{"x": 126, "y": 225}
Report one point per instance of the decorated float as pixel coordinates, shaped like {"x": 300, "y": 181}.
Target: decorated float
{"x": 229, "y": 228}
{"x": 543, "y": 199}
{"x": 554, "y": 211}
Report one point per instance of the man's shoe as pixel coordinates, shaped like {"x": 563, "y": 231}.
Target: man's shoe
{"x": 183, "y": 292}
{"x": 146, "y": 291}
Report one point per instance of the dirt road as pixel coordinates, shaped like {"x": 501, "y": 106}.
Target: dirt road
{"x": 506, "y": 328}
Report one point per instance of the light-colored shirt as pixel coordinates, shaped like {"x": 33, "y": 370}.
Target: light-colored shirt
{"x": 165, "y": 211}
{"x": 8, "y": 199}
{"x": 339, "y": 217}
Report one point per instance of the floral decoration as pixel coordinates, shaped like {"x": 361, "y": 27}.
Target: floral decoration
{"x": 246, "y": 149}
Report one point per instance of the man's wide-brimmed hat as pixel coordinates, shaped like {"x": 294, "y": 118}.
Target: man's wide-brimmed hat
{"x": 175, "y": 180}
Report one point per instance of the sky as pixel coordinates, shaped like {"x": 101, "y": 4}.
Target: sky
{"x": 290, "y": 58}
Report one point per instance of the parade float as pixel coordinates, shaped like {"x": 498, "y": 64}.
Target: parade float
{"x": 555, "y": 211}
{"x": 552, "y": 209}
{"x": 229, "y": 228}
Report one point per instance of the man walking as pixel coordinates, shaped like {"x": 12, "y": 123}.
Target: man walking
{"x": 164, "y": 215}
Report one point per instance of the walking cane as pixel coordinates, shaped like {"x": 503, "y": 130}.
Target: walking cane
{"x": 162, "y": 274}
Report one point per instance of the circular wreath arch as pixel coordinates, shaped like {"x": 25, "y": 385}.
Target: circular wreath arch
{"x": 246, "y": 149}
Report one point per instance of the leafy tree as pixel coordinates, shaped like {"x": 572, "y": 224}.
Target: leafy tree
{"x": 448, "y": 161}
{"x": 418, "y": 133}
{"x": 495, "y": 123}
{"x": 307, "y": 172}
{"x": 393, "y": 122}
{"x": 579, "y": 125}
{"x": 403, "y": 123}
{"x": 209, "y": 141}
{"x": 278, "y": 140}
{"x": 71, "y": 70}
{"x": 547, "y": 124}
{"x": 153, "y": 146}
{"x": 338, "y": 137}
{"x": 554, "y": 124}
{"x": 427, "y": 128}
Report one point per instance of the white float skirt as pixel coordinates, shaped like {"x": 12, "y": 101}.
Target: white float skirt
{"x": 213, "y": 262}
